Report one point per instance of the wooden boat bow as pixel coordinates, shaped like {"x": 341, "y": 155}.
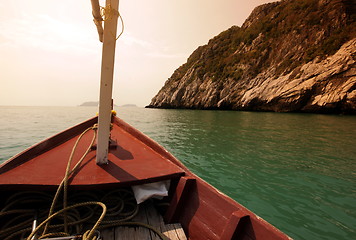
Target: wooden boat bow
{"x": 130, "y": 161}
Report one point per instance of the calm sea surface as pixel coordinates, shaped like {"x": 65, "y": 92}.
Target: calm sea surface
{"x": 297, "y": 171}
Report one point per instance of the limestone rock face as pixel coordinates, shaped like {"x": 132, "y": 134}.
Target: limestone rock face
{"x": 288, "y": 56}
{"x": 325, "y": 86}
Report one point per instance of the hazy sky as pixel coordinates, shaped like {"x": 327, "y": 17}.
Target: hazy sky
{"x": 50, "y": 53}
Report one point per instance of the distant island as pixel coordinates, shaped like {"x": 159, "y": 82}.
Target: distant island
{"x": 96, "y": 103}
{"x": 129, "y": 105}
{"x": 90, "y": 104}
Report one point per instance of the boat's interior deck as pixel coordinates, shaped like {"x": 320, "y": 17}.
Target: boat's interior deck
{"x": 149, "y": 215}
{"x": 124, "y": 218}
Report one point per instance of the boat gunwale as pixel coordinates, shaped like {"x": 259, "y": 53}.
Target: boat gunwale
{"x": 46, "y": 145}
{"x": 188, "y": 173}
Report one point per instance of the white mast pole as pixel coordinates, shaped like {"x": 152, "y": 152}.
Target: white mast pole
{"x": 106, "y": 82}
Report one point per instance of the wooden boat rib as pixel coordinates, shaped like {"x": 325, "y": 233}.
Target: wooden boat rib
{"x": 135, "y": 159}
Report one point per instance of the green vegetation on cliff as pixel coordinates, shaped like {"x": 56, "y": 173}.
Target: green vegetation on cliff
{"x": 315, "y": 26}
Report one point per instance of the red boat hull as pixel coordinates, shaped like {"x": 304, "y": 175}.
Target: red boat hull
{"x": 203, "y": 211}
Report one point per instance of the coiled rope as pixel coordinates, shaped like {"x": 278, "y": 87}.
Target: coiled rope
{"x": 68, "y": 173}
{"x": 118, "y": 207}
{"x": 88, "y": 235}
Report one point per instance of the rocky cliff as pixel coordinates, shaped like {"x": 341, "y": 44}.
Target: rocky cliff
{"x": 288, "y": 56}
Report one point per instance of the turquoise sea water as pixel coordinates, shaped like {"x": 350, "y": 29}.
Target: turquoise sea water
{"x": 297, "y": 171}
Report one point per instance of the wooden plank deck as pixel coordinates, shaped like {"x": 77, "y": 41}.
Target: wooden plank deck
{"x": 147, "y": 215}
